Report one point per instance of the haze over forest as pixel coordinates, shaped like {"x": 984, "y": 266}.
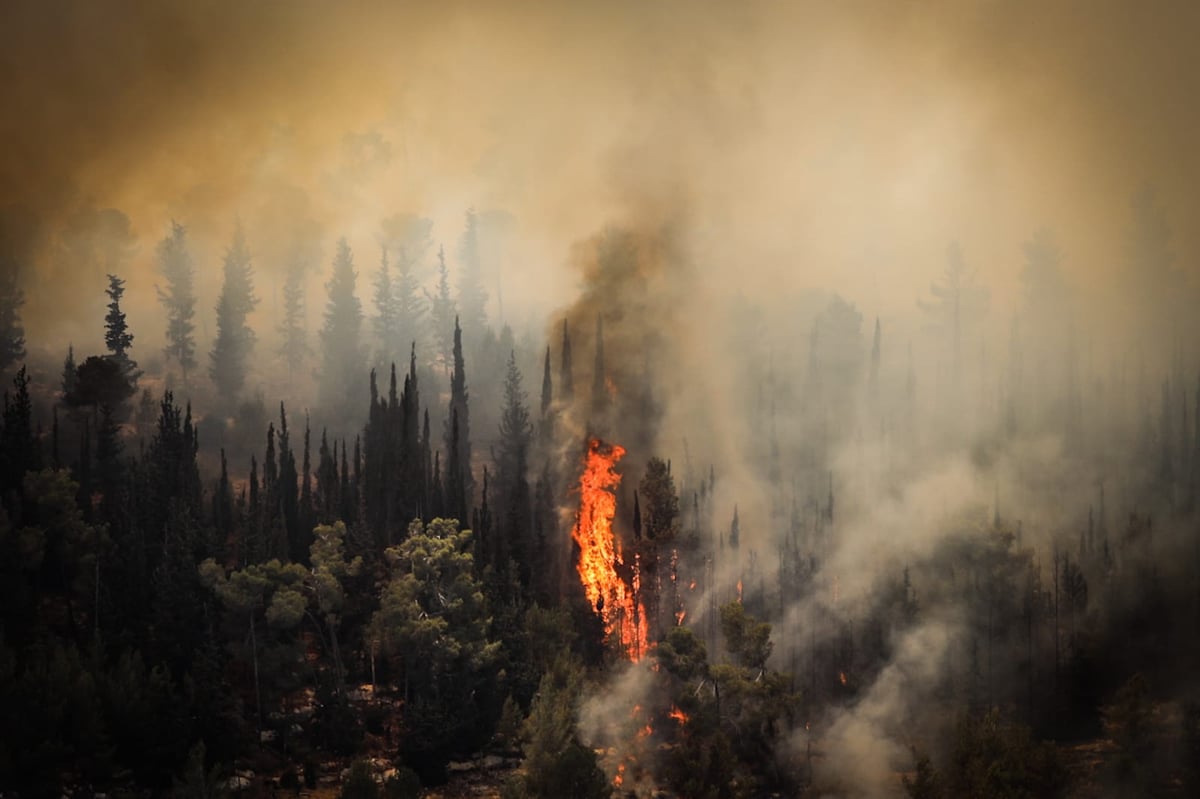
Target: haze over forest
{"x": 822, "y": 380}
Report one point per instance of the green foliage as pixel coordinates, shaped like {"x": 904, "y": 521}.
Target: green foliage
{"x": 683, "y": 655}
{"x": 746, "y": 638}
{"x": 433, "y": 608}
{"x": 556, "y": 764}
{"x": 433, "y": 624}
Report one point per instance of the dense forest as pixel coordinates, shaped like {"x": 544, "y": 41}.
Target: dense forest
{"x": 203, "y": 593}
{"x": 625, "y": 399}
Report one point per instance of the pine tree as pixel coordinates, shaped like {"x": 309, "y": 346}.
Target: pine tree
{"x": 386, "y": 322}
{"x": 546, "y": 420}
{"x": 179, "y": 298}
{"x": 223, "y": 518}
{"x": 472, "y": 298}
{"x": 298, "y": 539}
{"x": 306, "y": 497}
{"x": 407, "y": 237}
{"x": 957, "y": 302}
{"x": 235, "y": 339}
{"x": 410, "y": 305}
{"x": 329, "y": 496}
{"x": 117, "y": 337}
{"x": 292, "y": 333}
{"x": 455, "y": 483}
{"x": 12, "y": 332}
{"x": 341, "y": 347}
{"x": 70, "y": 372}
{"x": 512, "y": 466}
{"x": 18, "y": 450}
{"x": 442, "y": 315}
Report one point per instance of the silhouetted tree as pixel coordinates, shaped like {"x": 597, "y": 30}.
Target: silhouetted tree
{"x": 292, "y": 331}
{"x": 442, "y": 316}
{"x": 179, "y": 298}
{"x": 341, "y": 346}
{"x": 117, "y": 337}
{"x": 512, "y": 466}
{"x": 12, "y": 332}
{"x": 472, "y": 298}
{"x": 235, "y": 339}
{"x": 956, "y": 302}
{"x": 69, "y": 372}
{"x": 459, "y": 484}
{"x": 386, "y": 321}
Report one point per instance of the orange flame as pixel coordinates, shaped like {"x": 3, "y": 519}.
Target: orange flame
{"x": 678, "y": 715}
{"x": 842, "y": 677}
{"x": 739, "y": 589}
{"x": 680, "y": 615}
{"x": 618, "y": 605}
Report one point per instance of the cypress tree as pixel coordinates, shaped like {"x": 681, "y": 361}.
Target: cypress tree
{"x": 547, "y": 386}
{"x": 298, "y": 539}
{"x": 223, "y": 518}
{"x": 306, "y": 499}
{"x": 459, "y": 483}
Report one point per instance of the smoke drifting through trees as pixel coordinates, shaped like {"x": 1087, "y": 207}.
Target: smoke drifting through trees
{"x": 888, "y": 307}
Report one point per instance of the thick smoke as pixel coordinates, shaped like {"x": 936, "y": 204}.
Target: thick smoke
{"x": 735, "y": 192}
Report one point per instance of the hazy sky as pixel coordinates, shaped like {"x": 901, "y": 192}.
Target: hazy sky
{"x": 834, "y": 144}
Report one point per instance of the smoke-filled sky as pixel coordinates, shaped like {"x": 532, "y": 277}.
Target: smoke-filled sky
{"x": 802, "y": 143}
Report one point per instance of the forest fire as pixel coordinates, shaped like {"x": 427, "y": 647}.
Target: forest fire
{"x": 600, "y": 553}
{"x": 678, "y": 715}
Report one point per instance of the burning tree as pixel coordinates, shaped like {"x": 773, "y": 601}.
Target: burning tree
{"x": 612, "y": 585}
